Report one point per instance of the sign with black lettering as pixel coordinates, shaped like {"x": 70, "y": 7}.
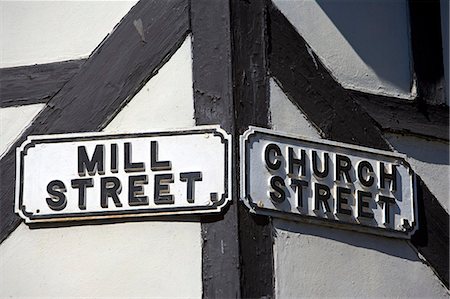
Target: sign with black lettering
{"x": 327, "y": 182}
{"x": 96, "y": 175}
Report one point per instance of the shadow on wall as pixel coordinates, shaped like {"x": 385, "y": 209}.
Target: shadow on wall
{"x": 393, "y": 247}
{"x": 378, "y": 33}
{"x": 423, "y": 150}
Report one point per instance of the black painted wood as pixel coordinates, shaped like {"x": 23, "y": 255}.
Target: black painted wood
{"x": 232, "y": 269}
{"x": 237, "y": 246}
{"x": 337, "y": 112}
{"x": 432, "y": 238}
{"x": 211, "y": 45}
{"x": 251, "y": 104}
{"x": 426, "y": 42}
{"x": 251, "y": 91}
{"x": 404, "y": 116}
{"x": 213, "y": 103}
{"x": 35, "y": 83}
{"x": 116, "y": 70}
{"x": 310, "y": 86}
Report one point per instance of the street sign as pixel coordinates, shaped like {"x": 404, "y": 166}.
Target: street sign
{"x": 327, "y": 182}
{"x": 96, "y": 175}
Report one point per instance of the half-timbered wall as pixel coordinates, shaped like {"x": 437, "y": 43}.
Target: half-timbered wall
{"x": 356, "y": 72}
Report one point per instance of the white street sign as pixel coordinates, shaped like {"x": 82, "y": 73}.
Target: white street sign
{"x": 95, "y": 175}
{"x": 327, "y": 182}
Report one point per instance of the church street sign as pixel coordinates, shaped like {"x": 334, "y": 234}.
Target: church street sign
{"x": 327, "y": 182}
{"x": 96, "y": 175}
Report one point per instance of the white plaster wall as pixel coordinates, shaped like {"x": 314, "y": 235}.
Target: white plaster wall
{"x": 317, "y": 261}
{"x": 166, "y": 101}
{"x": 142, "y": 259}
{"x": 365, "y": 44}
{"x": 430, "y": 160}
{"x": 34, "y": 32}
{"x": 13, "y": 121}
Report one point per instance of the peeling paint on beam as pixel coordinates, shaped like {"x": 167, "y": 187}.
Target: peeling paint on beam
{"x": 400, "y": 116}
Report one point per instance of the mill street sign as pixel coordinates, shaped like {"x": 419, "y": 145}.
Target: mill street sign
{"x": 95, "y": 175}
{"x": 327, "y": 182}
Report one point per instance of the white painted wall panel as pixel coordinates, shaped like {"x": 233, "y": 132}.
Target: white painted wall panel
{"x": 365, "y": 44}
{"x": 430, "y": 160}
{"x": 34, "y": 32}
{"x": 142, "y": 259}
{"x": 13, "y": 121}
{"x": 319, "y": 262}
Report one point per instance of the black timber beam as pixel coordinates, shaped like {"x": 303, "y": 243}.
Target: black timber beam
{"x": 431, "y": 240}
{"x": 35, "y": 83}
{"x": 213, "y": 104}
{"x": 426, "y": 42}
{"x": 230, "y": 89}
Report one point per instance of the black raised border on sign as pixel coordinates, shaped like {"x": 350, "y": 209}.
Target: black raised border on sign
{"x": 251, "y": 106}
{"x": 326, "y": 221}
{"x": 404, "y": 116}
{"x": 87, "y": 103}
{"x": 426, "y": 41}
{"x": 215, "y": 207}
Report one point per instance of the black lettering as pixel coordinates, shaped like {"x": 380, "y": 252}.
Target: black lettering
{"x": 272, "y": 148}
{"x": 277, "y": 184}
{"x": 387, "y": 202}
{"x": 110, "y": 187}
{"x": 96, "y": 164}
{"x": 82, "y": 185}
{"x": 190, "y": 178}
{"x": 293, "y": 161}
{"x": 57, "y": 200}
{"x": 155, "y": 164}
{"x": 321, "y": 194}
{"x": 324, "y": 173}
{"x": 388, "y": 176}
{"x": 299, "y": 185}
{"x": 361, "y": 177}
{"x": 136, "y": 191}
{"x": 343, "y": 165}
{"x": 131, "y": 166}
{"x": 341, "y": 201}
{"x": 114, "y": 164}
{"x": 363, "y": 203}
{"x": 162, "y": 189}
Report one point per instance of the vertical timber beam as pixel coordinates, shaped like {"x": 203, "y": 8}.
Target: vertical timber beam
{"x": 426, "y": 41}
{"x": 251, "y": 104}
{"x": 231, "y": 89}
{"x": 213, "y": 104}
